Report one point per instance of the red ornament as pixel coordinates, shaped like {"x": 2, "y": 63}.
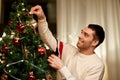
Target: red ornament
{"x": 10, "y": 22}
{"x": 16, "y": 41}
{"x": 31, "y": 76}
{"x": 20, "y": 28}
{"x": 41, "y": 50}
{"x": 5, "y": 49}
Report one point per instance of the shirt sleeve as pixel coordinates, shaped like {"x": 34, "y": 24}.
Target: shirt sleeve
{"x": 96, "y": 73}
{"x": 46, "y": 35}
{"x": 66, "y": 73}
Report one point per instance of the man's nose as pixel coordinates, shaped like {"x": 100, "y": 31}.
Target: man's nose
{"x": 81, "y": 35}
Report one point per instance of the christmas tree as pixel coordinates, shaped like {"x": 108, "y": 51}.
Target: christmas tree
{"x": 23, "y": 56}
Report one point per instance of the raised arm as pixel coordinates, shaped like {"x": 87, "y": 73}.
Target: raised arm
{"x": 49, "y": 39}
{"x": 44, "y": 31}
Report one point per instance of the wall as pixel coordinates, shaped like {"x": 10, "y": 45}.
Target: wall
{"x": 1, "y": 17}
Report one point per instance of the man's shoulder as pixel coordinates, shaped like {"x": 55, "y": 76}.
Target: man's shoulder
{"x": 96, "y": 60}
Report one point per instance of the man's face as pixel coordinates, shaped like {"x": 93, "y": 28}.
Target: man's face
{"x": 85, "y": 39}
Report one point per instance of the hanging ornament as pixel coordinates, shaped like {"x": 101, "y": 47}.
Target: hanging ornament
{"x": 4, "y": 77}
{"x": 5, "y": 49}
{"x": 10, "y": 22}
{"x": 16, "y": 41}
{"x": 26, "y": 52}
{"x": 49, "y": 77}
{"x": 31, "y": 76}
{"x": 20, "y": 28}
{"x": 33, "y": 25}
{"x": 41, "y": 50}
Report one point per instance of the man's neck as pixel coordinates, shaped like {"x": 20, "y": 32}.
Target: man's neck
{"x": 87, "y": 52}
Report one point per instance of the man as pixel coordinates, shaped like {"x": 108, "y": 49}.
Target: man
{"x": 73, "y": 63}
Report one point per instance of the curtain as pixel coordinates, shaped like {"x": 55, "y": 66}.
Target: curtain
{"x": 73, "y": 15}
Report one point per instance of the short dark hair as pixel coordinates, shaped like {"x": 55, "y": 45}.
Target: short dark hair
{"x": 99, "y": 32}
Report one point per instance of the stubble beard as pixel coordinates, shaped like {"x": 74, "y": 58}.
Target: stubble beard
{"x": 81, "y": 46}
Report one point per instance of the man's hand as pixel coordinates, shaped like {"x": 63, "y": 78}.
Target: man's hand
{"x": 55, "y": 62}
{"x": 37, "y": 10}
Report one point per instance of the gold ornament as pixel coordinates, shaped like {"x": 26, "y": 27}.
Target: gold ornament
{"x": 26, "y": 52}
{"x": 4, "y": 77}
{"x": 49, "y": 77}
{"x": 33, "y": 25}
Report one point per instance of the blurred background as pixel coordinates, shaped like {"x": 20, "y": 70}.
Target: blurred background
{"x": 66, "y": 18}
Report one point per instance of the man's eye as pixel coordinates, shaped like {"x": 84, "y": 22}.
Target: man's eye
{"x": 86, "y": 35}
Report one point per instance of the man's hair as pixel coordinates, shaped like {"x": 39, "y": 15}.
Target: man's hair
{"x": 99, "y": 32}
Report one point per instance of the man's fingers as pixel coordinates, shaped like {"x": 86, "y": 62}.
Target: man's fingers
{"x": 55, "y": 62}
{"x": 37, "y": 10}
{"x": 50, "y": 59}
{"x": 34, "y": 9}
{"x": 53, "y": 56}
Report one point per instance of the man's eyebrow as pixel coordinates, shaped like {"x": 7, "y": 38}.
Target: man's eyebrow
{"x": 82, "y": 30}
{"x": 85, "y": 32}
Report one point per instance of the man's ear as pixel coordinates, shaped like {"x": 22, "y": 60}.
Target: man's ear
{"x": 95, "y": 42}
